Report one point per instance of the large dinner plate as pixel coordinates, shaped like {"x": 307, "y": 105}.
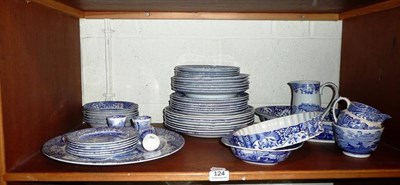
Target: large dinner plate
{"x": 171, "y": 142}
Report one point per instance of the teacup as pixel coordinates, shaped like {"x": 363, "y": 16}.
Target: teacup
{"x": 359, "y": 115}
{"x": 141, "y": 123}
{"x": 348, "y": 119}
{"x": 116, "y": 121}
{"x": 147, "y": 134}
{"x": 367, "y": 112}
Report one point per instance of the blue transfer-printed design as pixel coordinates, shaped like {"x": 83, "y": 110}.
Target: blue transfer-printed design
{"x": 272, "y": 112}
{"x": 345, "y": 120}
{"x": 261, "y": 157}
{"x": 281, "y": 137}
{"x": 110, "y": 105}
{"x": 306, "y": 107}
{"x": 327, "y": 134}
{"x": 367, "y": 112}
{"x": 357, "y": 141}
{"x": 171, "y": 143}
{"x": 305, "y": 88}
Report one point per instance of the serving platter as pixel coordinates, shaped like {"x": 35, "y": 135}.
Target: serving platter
{"x": 171, "y": 142}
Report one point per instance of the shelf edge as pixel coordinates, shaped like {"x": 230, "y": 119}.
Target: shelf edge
{"x": 201, "y": 176}
{"x": 211, "y": 15}
{"x": 386, "y": 5}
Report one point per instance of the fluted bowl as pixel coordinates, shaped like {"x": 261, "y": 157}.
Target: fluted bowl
{"x": 279, "y": 132}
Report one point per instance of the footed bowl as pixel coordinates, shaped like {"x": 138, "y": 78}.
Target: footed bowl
{"x": 357, "y": 143}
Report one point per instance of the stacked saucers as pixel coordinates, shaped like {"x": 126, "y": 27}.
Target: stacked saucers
{"x": 96, "y": 113}
{"x": 209, "y": 102}
{"x": 103, "y": 142}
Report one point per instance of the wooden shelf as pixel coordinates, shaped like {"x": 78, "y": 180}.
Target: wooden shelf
{"x": 224, "y": 9}
{"x": 194, "y": 160}
{"x": 40, "y": 93}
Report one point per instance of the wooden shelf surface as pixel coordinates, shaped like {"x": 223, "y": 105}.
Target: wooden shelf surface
{"x": 194, "y": 160}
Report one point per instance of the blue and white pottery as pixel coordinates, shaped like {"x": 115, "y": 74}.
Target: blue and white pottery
{"x": 271, "y": 112}
{"x": 306, "y": 95}
{"x": 141, "y": 122}
{"x": 170, "y": 142}
{"x": 327, "y": 135}
{"x": 116, "y": 121}
{"x": 364, "y": 111}
{"x": 110, "y": 105}
{"x": 359, "y": 116}
{"x": 95, "y": 113}
{"x": 280, "y": 132}
{"x": 257, "y": 156}
{"x": 357, "y": 143}
{"x": 347, "y": 119}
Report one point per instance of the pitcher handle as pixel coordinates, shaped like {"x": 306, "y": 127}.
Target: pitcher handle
{"x": 335, "y": 95}
{"x": 348, "y": 102}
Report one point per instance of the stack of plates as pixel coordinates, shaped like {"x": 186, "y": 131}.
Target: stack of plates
{"x": 207, "y": 125}
{"x": 209, "y": 102}
{"x": 186, "y": 105}
{"x": 209, "y": 81}
{"x": 96, "y": 113}
{"x": 101, "y": 142}
{"x": 206, "y": 71}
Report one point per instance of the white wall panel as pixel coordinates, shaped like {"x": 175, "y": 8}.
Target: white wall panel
{"x": 145, "y": 52}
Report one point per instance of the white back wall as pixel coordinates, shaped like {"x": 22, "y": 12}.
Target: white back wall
{"x": 136, "y": 60}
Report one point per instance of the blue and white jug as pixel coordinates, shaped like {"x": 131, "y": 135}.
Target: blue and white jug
{"x": 306, "y": 95}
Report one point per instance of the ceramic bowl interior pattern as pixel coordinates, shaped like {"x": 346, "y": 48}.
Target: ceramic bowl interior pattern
{"x": 280, "y": 132}
{"x": 348, "y": 119}
{"x": 357, "y": 142}
{"x": 257, "y": 156}
{"x": 271, "y": 112}
{"x": 109, "y": 105}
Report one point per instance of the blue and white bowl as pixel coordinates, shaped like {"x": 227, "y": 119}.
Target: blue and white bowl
{"x": 280, "y": 132}
{"x": 271, "y": 112}
{"x": 259, "y": 157}
{"x": 95, "y": 113}
{"x": 357, "y": 143}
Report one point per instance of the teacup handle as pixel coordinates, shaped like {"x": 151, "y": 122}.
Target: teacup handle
{"x": 348, "y": 102}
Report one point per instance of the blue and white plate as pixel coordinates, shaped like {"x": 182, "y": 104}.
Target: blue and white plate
{"x": 101, "y": 136}
{"x": 180, "y": 97}
{"x": 171, "y": 142}
{"x": 207, "y": 125}
{"x": 207, "y": 68}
